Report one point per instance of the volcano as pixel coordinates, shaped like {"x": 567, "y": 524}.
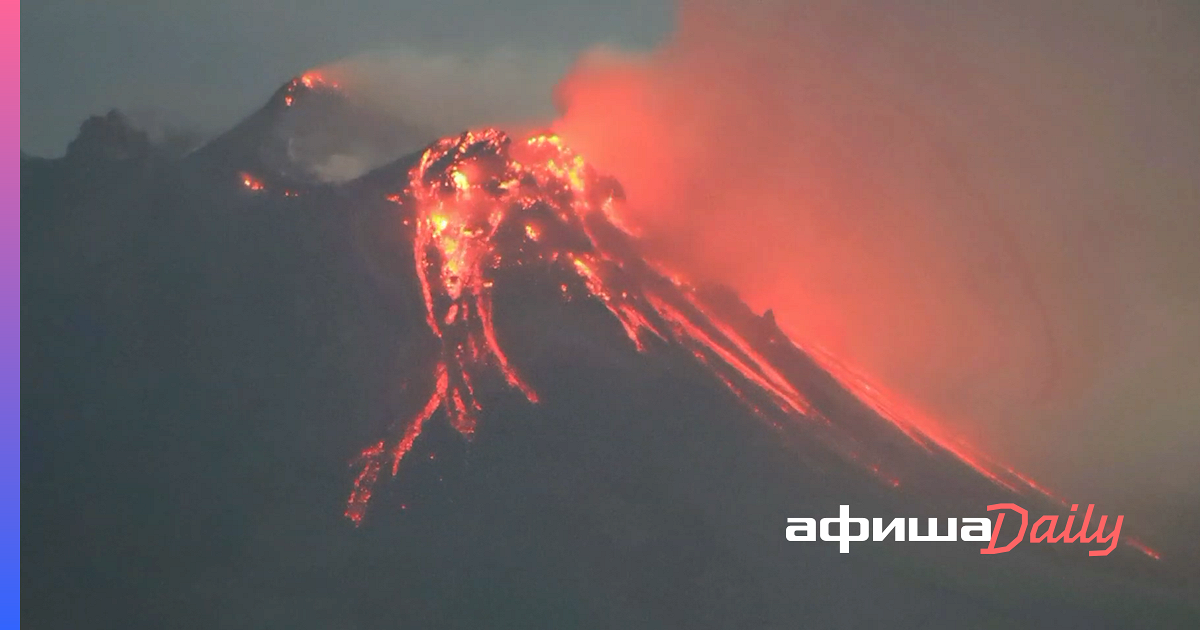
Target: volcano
{"x": 457, "y": 392}
{"x": 312, "y": 130}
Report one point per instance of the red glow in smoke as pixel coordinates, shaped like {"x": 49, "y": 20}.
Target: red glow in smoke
{"x": 466, "y": 190}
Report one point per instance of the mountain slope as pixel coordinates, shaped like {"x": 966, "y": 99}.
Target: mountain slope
{"x": 204, "y": 363}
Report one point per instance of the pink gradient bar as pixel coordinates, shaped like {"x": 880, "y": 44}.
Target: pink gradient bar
{"x": 10, "y": 313}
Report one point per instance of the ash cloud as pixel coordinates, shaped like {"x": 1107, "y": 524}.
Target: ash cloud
{"x": 992, "y": 208}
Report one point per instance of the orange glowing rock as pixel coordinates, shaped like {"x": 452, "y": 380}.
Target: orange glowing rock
{"x": 311, "y": 80}
{"x": 251, "y": 182}
{"x": 464, "y": 192}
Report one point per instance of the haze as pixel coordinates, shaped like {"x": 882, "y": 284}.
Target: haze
{"x": 991, "y": 208}
{"x": 205, "y": 65}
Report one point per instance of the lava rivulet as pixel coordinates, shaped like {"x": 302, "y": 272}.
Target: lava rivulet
{"x": 466, "y": 192}
{"x": 482, "y": 203}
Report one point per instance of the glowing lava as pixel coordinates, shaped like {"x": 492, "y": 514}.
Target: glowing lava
{"x": 251, "y": 182}
{"x": 926, "y": 433}
{"x": 308, "y": 81}
{"x": 482, "y": 204}
{"x": 466, "y": 192}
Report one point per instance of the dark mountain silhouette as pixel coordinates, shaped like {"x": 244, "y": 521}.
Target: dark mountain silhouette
{"x": 108, "y": 137}
{"x": 311, "y": 130}
{"x": 203, "y": 361}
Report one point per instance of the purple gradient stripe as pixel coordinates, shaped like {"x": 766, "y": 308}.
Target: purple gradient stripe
{"x": 10, "y": 315}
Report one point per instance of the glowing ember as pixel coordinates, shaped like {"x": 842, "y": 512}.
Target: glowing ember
{"x": 306, "y": 82}
{"x": 1142, "y": 547}
{"x": 251, "y": 182}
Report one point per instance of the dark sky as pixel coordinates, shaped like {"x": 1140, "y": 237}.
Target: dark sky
{"x": 209, "y": 63}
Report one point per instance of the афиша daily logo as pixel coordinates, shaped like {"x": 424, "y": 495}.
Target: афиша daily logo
{"x": 972, "y": 529}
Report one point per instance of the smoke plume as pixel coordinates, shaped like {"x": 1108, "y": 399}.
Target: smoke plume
{"x": 992, "y": 208}
{"x": 446, "y": 93}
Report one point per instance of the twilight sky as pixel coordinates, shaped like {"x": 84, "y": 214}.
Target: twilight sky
{"x": 207, "y": 64}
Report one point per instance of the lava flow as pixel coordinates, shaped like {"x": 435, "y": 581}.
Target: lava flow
{"x": 308, "y": 81}
{"x": 467, "y": 192}
{"x": 483, "y": 203}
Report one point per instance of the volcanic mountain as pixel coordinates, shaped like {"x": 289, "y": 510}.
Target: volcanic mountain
{"x": 312, "y": 130}
{"x": 456, "y": 392}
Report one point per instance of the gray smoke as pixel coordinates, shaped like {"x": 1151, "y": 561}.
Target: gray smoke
{"x": 993, "y": 207}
